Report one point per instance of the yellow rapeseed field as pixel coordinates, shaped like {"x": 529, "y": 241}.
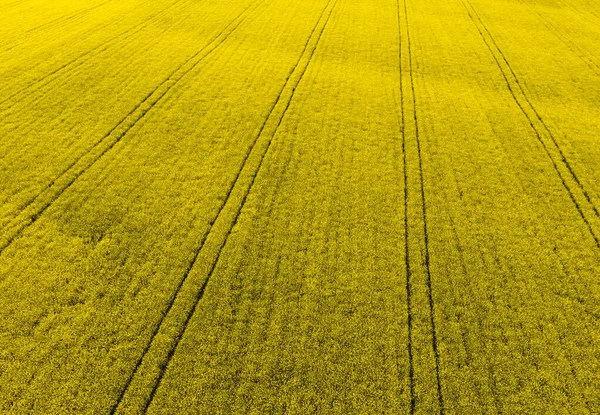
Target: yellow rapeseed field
{"x": 299, "y": 207}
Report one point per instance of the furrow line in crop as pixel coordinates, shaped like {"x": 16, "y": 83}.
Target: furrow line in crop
{"x": 577, "y": 51}
{"x": 82, "y": 59}
{"x": 58, "y": 186}
{"x": 416, "y": 230}
{"x": 291, "y": 83}
{"x": 263, "y": 331}
{"x": 58, "y": 20}
{"x": 411, "y": 366}
{"x": 13, "y": 4}
{"x": 315, "y": 34}
{"x": 590, "y": 9}
{"x": 423, "y": 213}
{"x": 434, "y": 340}
{"x": 516, "y": 91}
{"x": 563, "y": 158}
{"x": 590, "y": 17}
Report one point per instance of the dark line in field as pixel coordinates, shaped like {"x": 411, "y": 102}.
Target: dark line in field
{"x": 244, "y": 198}
{"x": 544, "y": 146}
{"x": 118, "y": 138}
{"x": 537, "y": 133}
{"x": 65, "y": 18}
{"x": 64, "y": 171}
{"x": 265, "y": 327}
{"x": 70, "y": 166}
{"x": 538, "y": 116}
{"x": 434, "y": 340}
{"x": 200, "y": 246}
{"x": 594, "y": 67}
{"x": 590, "y": 17}
{"x": 411, "y": 367}
{"x": 103, "y": 47}
{"x": 13, "y": 4}
{"x": 589, "y": 10}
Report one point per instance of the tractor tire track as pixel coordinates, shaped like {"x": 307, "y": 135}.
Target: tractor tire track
{"x": 537, "y": 115}
{"x": 13, "y": 4}
{"x": 58, "y": 186}
{"x": 316, "y": 35}
{"x": 532, "y": 107}
{"x": 264, "y": 288}
{"x": 590, "y": 17}
{"x": 81, "y": 59}
{"x": 434, "y": 339}
{"x": 57, "y": 21}
{"x": 407, "y": 269}
{"x": 590, "y": 9}
{"x": 594, "y": 19}
{"x": 517, "y": 90}
{"x": 577, "y": 51}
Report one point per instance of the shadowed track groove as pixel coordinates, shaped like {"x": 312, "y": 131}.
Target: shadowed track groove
{"x": 572, "y": 46}
{"x": 13, "y": 4}
{"x": 240, "y": 250}
{"x": 58, "y": 20}
{"x": 56, "y": 188}
{"x": 517, "y": 91}
{"x": 408, "y": 94}
{"x": 271, "y": 114}
{"x": 81, "y": 59}
{"x": 407, "y": 269}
